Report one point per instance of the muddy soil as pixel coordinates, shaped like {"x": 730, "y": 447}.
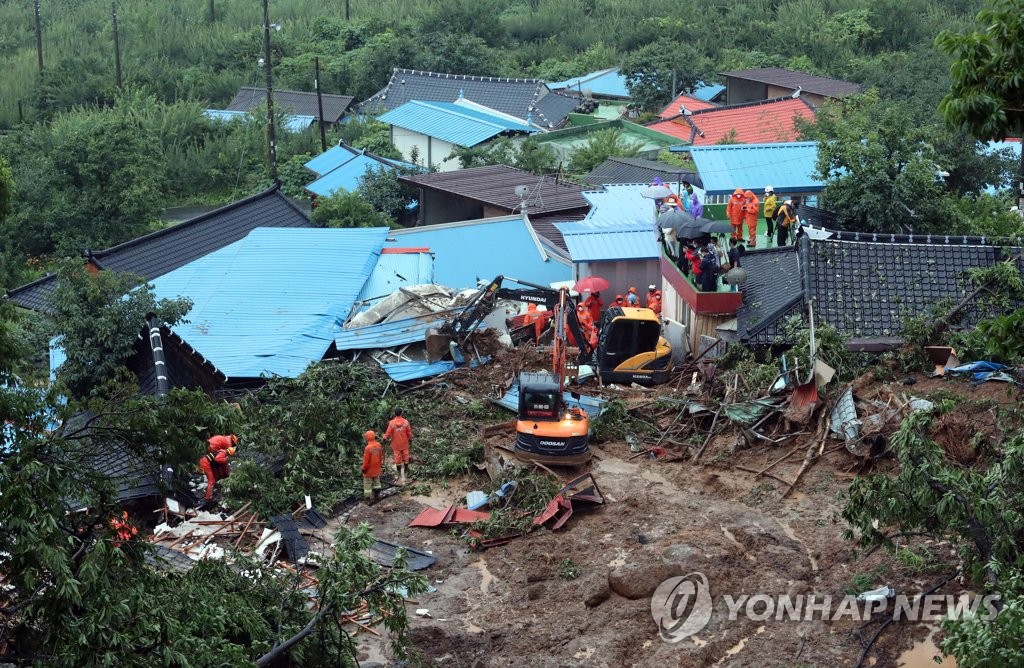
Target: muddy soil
{"x": 513, "y": 606}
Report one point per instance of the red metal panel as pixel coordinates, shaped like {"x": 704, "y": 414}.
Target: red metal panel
{"x": 701, "y": 303}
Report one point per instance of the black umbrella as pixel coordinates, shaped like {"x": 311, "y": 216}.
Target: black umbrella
{"x": 715, "y": 226}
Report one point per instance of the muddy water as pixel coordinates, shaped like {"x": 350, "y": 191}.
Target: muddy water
{"x": 922, "y": 654}
{"x": 485, "y": 575}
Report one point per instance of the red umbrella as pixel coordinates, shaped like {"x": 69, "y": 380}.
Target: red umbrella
{"x": 590, "y": 284}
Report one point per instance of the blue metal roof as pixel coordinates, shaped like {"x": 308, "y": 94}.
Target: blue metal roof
{"x": 271, "y": 303}
{"x": 401, "y": 372}
{"x": 606, "y": 83}
{"x": 604, "y": 243}
{"x": 707, "y": 92}
{"x": 341, "y": 167}
{"x": 332, "y": 158}
{"x": 454, "y": 122}
{"x": 395, "y": 270}
{"x": 387, "y": 334}
{"x": 788, "y": 167}
{"x": 469, "y": 252}
{"x": 619, "y": 205}
{"x": 291, "y": 122}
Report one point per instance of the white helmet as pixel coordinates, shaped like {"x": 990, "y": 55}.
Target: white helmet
{"x": 768, "y": 189}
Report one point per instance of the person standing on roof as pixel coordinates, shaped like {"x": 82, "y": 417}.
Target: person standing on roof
{"x": 751, "y": 213}
{"x": 399, "y": 431}
{"x": 771, "y": 203}
{"x": 708, "y": 268}
{"x": 215, "y": 462}
{"x": 693, "y": 255}
{"x": 785, "y": 218}
{"x": 734, "y": 210}
{"x": 373, "y": 457}
{"x": 632, "y": 299}
{"x": 594, "y": 305}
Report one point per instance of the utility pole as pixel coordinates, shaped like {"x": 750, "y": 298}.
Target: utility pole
{"x": 320, "y": 104}
{"x": 346, "y": 10}
{"x": 271, "y": 139}
{"x": 39, "y": 36}
{"x": 213, "y": 12}
{"x": 117, "y": 44}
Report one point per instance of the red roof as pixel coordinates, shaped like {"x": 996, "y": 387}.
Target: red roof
{"x": 767, "y": 122}
{"x": 692, "y": 103}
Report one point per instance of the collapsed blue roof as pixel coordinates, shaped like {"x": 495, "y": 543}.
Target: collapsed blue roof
{"x": 395, "y": 270}
{"x": 341, "y": 167}
{"x": 271, "y": 303}
{"x": 602, "y": 83}
{"x": 469, "y": 252}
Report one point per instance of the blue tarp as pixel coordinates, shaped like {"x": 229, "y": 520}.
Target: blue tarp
{"x": 401, "y": 372}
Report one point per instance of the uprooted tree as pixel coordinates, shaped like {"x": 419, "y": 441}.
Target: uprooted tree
{"x": 978, "y": 510}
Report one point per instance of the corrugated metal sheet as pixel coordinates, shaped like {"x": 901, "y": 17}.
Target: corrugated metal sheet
{"x": 603, "y": 83}
{"x": 620, "y": 204}
{"x": 395, "y": 270}
{"x": 291, "y": 122}
{"x": 401, "y": 372}
{"x": 789, "y": 167}
{"x": 707, "y": 92}
{"x": 332, "y": 158}
{"x": 345, "y": 176}
{"x": 387, "y": 334}
{"x": 602, "y": 243}
{"x": 592, "y": 405}
{"x": 469, "y": 252}
{"x": 451, "y": 122}
{"x": 271, "y": 303}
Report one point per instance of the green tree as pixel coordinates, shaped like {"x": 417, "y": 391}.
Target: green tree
{"x": 527, "y": 155}
{"x": 385, "y": 193}
{"x": 976, "y": 509}
{"x": 602, "y": 145}
{"x": 345, "y": 209}
{"x": 97, "y": 318}
{"x": 372, "y": 136}
{"x": 987, "y": 92}
{"x": 651, "y": 70}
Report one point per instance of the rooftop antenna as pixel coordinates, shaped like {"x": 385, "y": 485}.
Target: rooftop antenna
{"x": 523, "y": 193}
{"x": 796, "y": 93}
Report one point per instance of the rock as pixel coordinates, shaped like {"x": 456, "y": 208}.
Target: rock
{"x": 595, "y": 590}
{"x": 638, "y": 580}
{"x": 533, "y": 592}
{"x": 682, "y": 559}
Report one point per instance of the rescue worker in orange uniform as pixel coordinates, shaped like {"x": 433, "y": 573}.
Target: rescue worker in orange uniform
{"x": 649, "y": 297}
{"x": 655, "y": 304}
{"x": 399, "y": 432}
{"x": 587, "y": 325}
{"x": 123, "y": 529}
{"x": 620, "y": 301}
{"x": 373, "y": 458}
{"x": 534, "y": 316}
{"x": 734, "y": 210}
{"x": 215, "y": 462}
{"x": 632, "y": 299}
{"x": 751, "y": 212}
{"x": 594, "y": 304}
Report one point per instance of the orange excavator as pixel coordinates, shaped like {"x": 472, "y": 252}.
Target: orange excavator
{"x": 548, "y": 430}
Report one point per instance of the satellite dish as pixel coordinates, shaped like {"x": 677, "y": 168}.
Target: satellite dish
{"x": 522, "y": 191}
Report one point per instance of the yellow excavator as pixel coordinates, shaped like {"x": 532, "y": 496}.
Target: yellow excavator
{"x": 631, "y": 349}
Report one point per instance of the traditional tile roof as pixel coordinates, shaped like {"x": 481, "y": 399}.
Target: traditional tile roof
{"x": 495, "y": 185}
{"x": 863, "y": 288}
{"x": 602, "y": 83}
{"x": 638, "y": 170}
{"x": 787, "y": 167}
{"x": 777, "y": 76}
{"x": 162, "y": 251}
{"x": 764, "y": 122}
{"x": 297, "y": 102}
{"x": 674, "y": 108}
{"x": 521, "y": 98}
{"x": 459, "y": 123}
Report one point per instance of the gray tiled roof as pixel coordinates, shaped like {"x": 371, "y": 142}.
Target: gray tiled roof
{"x": 165, "y": 250}
{"x": 637, "y": 170}
{"x": 777, "y": 76}
{"x": 863, "y": 284}
{"x": 296, "y": 102}
{"x": 496, "y": 185}
{"x": 521, "y": 98}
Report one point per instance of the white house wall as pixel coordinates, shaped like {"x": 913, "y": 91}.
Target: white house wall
{"x": 429, "y": 151}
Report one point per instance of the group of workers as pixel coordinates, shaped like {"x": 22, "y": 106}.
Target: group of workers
{"x": 217, "y": 466}
{"x": 589, "y": 312}
{"x": 744, "y": 207}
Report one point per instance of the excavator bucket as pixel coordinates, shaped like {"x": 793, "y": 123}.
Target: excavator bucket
{"x": 437, "y": 344}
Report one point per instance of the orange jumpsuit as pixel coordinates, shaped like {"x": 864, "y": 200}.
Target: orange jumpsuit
{"x": 400, "y": 432}
{"x": 594, "y": 304}
{"x": 215, "y": 462}
{"x": 655, "y": 304}
{"x": 734, "y": 210}
{"x": 373, "y": 459}
{"x": 751, "y": 211}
